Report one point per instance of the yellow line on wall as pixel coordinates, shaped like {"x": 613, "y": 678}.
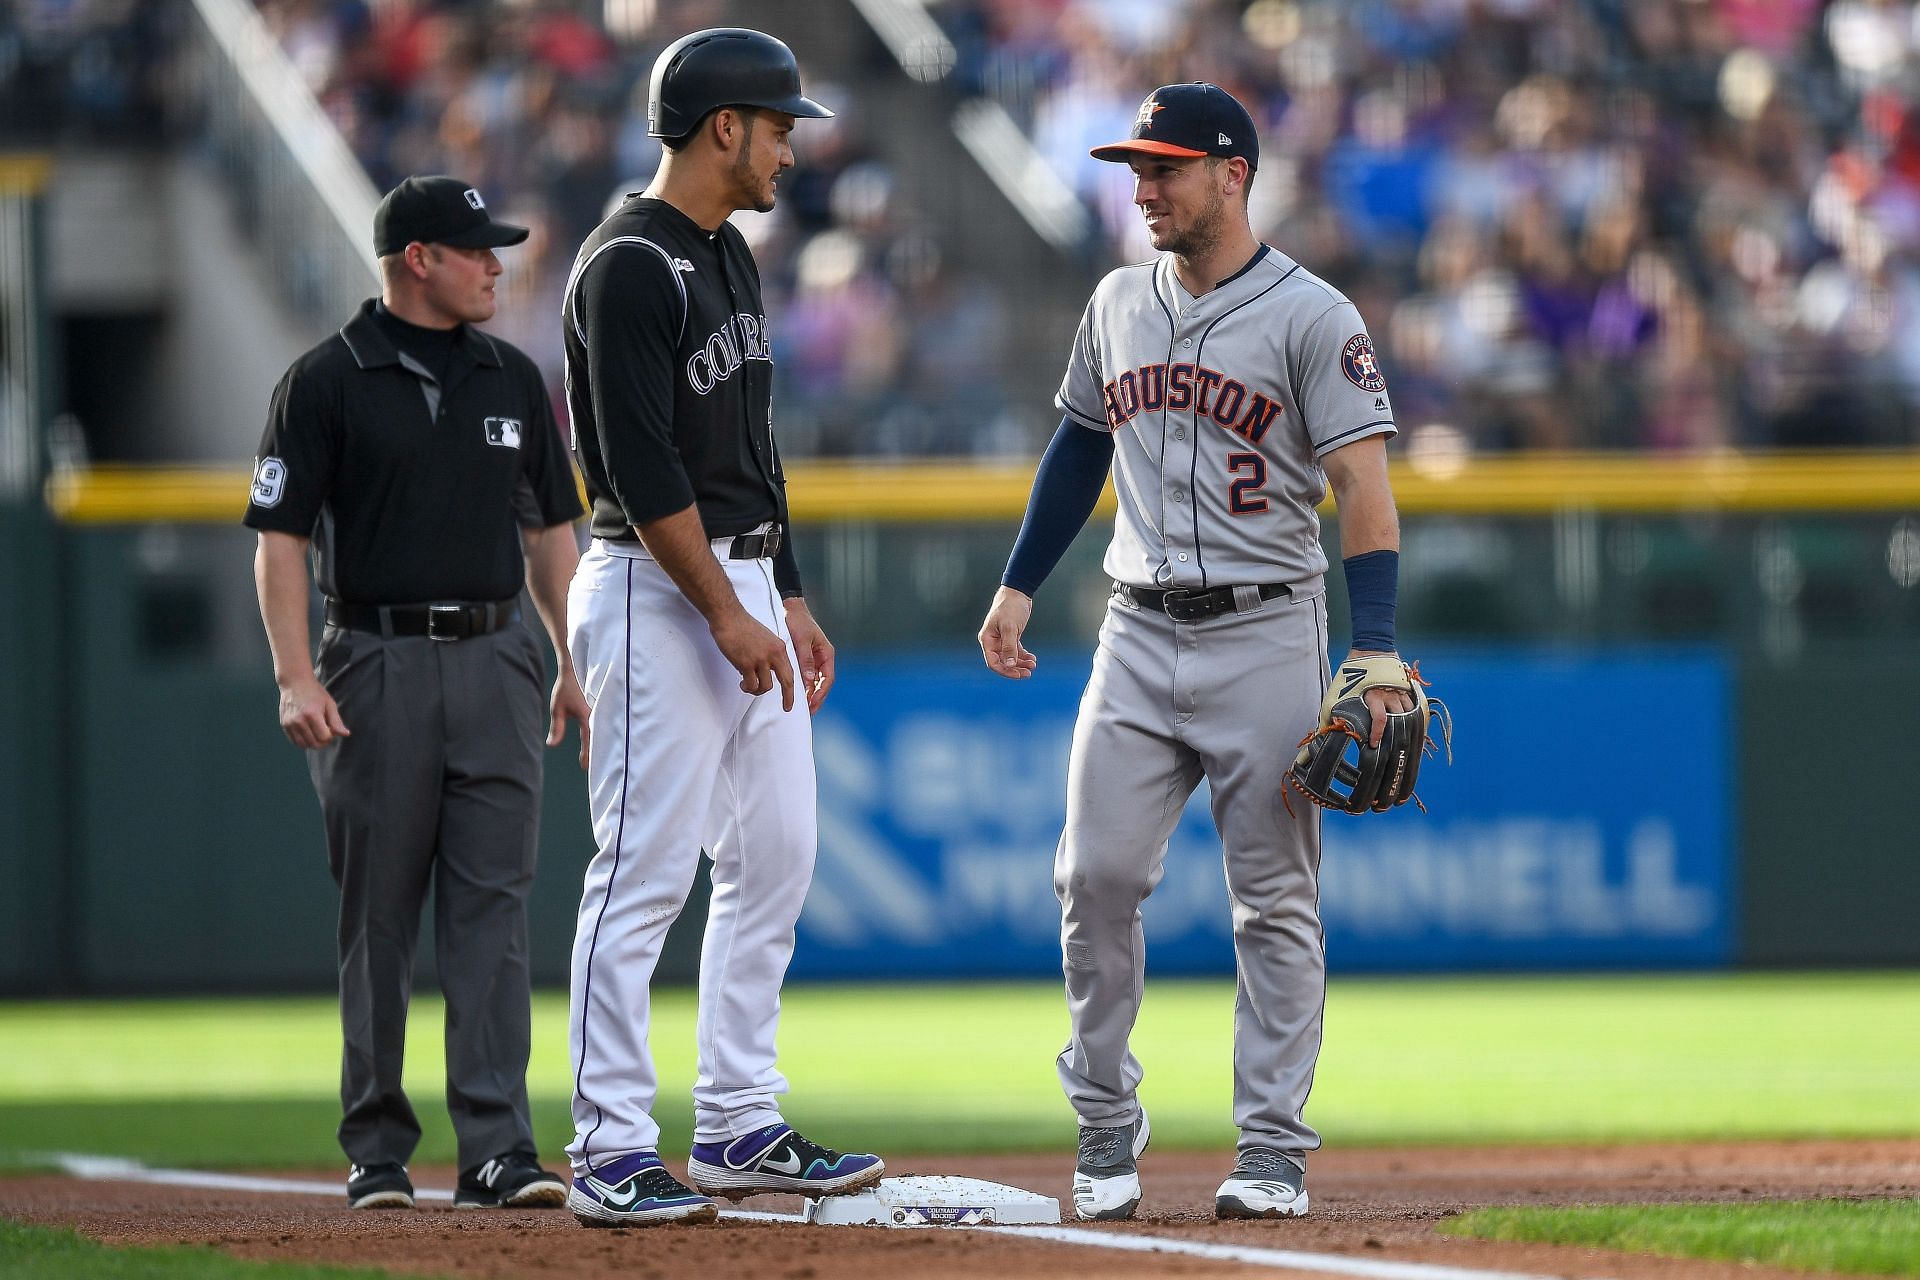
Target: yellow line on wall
{"x": 24, "y": 172}
{"x": 947, "y": 492}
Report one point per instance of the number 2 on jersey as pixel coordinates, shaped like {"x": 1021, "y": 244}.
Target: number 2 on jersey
{"x": 1243, "y": 494}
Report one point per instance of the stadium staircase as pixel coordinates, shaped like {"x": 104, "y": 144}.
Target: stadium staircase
{"x": 185, "y": 270}
{"x": 997, "y": 210}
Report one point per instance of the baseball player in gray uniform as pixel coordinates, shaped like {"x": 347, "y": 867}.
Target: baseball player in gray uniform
{"x": 1225, "y": 386}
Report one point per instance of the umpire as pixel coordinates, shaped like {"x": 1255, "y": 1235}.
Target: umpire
{"x": 415, "y": 455}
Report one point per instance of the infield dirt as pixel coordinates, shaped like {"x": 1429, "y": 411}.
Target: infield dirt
{"x": 1378, "y": 1203}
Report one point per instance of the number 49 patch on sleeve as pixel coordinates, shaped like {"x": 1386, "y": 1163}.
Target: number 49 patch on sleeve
{"x": 269, "y": 482}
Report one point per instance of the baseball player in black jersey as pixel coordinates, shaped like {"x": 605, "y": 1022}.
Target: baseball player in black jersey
{"x": 416, "y": 457}
{"x": 686, "y": 612}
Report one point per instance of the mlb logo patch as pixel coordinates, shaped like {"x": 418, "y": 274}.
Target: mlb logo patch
{"x": 473, "y": 198}
{"x": 504, "y": 432}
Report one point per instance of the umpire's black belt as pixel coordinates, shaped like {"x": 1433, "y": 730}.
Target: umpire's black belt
{"x": 1193, "y": 604}
{"x": 436, "y": 621}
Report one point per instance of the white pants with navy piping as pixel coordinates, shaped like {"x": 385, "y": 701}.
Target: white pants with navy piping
{"x": 681, "y": 760}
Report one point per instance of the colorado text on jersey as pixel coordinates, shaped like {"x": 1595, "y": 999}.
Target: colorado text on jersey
{"x": 740, "y": 339}
{"x": 1180, "y": 387}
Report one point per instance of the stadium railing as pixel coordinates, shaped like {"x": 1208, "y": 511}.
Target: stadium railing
{"x": 296, "y": 187}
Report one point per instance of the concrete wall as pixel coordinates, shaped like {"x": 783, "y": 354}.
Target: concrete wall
{"x": 176, "y": 329}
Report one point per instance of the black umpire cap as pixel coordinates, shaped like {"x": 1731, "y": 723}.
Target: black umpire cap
{"x": 1188, "y": 120}
{"x": 723, "y": 67}
{"x": 438, "y": 210}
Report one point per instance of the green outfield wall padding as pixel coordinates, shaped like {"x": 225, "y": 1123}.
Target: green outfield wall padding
{"x": 32, "y": 726}
{"x": 1830, "y": 778}
{"x": 160, "y": 834}
{"x": 197, "y": 835}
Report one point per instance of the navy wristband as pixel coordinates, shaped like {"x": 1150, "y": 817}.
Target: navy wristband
{"x": 1373, "y": 582}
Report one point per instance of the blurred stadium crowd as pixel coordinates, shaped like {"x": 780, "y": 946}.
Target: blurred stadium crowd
{"x": 1654, "y": 224}
{"x": 1639, "y": 224}
{"x": 543, "y": 105}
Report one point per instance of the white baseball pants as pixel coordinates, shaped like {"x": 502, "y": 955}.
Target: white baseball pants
{"x": 681, "y": 760}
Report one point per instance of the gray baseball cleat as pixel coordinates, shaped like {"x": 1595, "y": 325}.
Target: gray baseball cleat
{"x": 1263, "y": 1184}
{"x": 1106, "y": 1176}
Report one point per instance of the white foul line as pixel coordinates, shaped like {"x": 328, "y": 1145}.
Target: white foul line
{"x": 116, "y": 1169}
{"x": 1333, "y": 1264}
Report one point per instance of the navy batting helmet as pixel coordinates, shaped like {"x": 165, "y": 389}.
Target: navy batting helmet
{"x": 723, "y": 67}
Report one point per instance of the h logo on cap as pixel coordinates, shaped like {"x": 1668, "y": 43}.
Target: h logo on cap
{"x": 1145, "y": 119}
{"x": 473, "y": 198}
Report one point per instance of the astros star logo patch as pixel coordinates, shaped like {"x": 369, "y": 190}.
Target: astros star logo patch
{"x": 1358, "y": 363}
{"x": 1145, "y": 119}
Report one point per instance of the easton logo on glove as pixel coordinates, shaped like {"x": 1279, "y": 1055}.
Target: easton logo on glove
{"x": 1337, "y": 769}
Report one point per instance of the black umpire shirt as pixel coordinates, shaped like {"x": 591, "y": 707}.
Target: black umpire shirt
{"x": 670, "y": 378}
{"x": 413, "y": 487}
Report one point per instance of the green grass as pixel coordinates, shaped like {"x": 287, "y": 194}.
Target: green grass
{"x": 907, "y": 1068}
{"x": 43, "y": 1253}
{"x": 1858, "y": 1237}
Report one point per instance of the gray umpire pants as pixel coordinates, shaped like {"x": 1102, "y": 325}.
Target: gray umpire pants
{"x": 439, "y": 783}
{"x": 1227, "y": 698}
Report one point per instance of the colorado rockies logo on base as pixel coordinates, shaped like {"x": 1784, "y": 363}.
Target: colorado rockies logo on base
{"x": 1362, "y": 370}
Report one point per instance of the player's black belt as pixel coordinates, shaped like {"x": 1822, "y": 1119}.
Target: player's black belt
{"x": 437, "y": 621}
{"x": 756, "y": 546}
{"x": 1192, "y": 604}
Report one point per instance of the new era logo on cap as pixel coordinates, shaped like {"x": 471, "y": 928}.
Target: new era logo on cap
{"x": 473, "y": 198}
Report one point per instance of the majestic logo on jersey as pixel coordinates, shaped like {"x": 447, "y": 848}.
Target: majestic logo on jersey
{"x": 740, "y": 339}
{"x": 1179, "y": 388}
{"x": 1357, "y": 362}
{"x": 504, "y": 432}
{"x": 269, "y": 482}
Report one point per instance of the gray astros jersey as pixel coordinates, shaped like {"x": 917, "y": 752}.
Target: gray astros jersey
{"x": 1221, "y": 408}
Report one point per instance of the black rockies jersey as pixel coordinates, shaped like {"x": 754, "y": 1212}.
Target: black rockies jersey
{"x": 670, "y": 377}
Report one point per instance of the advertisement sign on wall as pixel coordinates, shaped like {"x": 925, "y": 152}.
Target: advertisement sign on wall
{"x": 1583, "y": 823}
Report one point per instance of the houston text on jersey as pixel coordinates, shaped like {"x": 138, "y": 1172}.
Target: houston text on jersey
{"x": 1180, "y": 387}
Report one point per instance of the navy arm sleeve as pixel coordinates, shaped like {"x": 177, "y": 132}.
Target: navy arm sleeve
{"x": 631, "y": 312}
{"x": 1065, "y": 490}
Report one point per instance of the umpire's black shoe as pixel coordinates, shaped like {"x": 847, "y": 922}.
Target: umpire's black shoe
{"x": 379, "y": 1186}
{"x": 513, "y": 1181}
